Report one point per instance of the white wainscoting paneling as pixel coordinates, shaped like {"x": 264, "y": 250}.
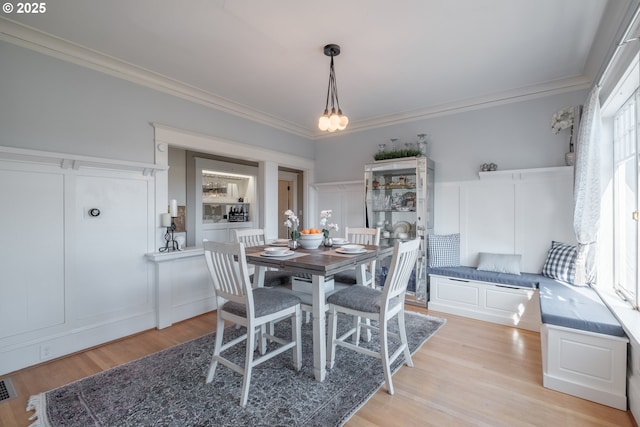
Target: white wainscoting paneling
{"x": 512, "y": 212}
{"x": 183, "y": 285}
{"x": 32, "y": 251}
{"x": 109, "y": 272}
{"x": 71, "y": 280}
{"x": 346, "y": 200}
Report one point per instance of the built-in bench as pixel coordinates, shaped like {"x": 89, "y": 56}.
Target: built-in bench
{"x": 507, "y": 299}
{"x": 584, "y": 347}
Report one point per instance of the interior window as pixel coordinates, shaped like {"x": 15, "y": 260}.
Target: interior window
{"x": 626, "y": 208}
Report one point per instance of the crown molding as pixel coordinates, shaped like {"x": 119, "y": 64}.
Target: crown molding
{"x": 470, "y": 104}
{"x": 30, "y": 38}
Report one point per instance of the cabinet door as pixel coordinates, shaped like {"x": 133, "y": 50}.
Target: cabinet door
{"x": 109, "y": 271}
{"x": 392, "y": 203}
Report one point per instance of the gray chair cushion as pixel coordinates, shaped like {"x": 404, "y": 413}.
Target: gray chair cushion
{"x": 349, "y": 277}
{"x": 265, "y": 301}
{"x": 361, "y": 298}
{"x": 275, "y": 278}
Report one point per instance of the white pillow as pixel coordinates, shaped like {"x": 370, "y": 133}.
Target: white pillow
{"x": 500, "y": 263}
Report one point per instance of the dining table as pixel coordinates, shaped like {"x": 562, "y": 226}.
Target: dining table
{"x": 321, "y": 264}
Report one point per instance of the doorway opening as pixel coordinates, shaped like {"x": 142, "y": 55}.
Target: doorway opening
{"x": 289, "y": 197}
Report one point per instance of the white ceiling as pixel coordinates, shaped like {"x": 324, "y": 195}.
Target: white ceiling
{"x": 400, "y": 60}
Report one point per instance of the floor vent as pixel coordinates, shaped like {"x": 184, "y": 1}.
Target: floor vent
{"x": 7, "y": 392}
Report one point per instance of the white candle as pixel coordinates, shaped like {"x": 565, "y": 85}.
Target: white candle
{"x": 173, "y": 208}
{"x": 165, "y": 220}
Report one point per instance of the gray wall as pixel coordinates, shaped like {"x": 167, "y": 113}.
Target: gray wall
{"x": 49, "y": 104}
{"x": 514, "y": 136}
{"x": 52, "y": 105}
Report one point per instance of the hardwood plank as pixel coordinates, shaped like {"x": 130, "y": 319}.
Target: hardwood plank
{"x": 470, "y": 373}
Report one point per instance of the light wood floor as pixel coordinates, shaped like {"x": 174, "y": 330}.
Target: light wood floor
{"x": 470, "y": 373}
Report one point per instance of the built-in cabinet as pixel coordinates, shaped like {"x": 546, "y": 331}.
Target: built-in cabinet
{"x": 225, "y": 199}
{"x": 399, "y": 201}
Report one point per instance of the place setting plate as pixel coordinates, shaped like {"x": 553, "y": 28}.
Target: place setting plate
{"x": 277, "y": 252}
{"x": 351, "y": 249}
{"x": 280, "y": 242}
{"x": 337, "y": 241}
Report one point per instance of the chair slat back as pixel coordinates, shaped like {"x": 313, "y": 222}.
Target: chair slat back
{"x": 363, "y": 236}
{"x": 250, "y": 237}
{"x": 228, "y": 268}
{"x": 403, "y": 261}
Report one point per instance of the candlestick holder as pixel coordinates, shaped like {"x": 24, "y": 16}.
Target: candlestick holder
{"x": 170, "y": 243}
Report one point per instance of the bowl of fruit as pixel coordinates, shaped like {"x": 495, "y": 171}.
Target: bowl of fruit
{"x": 310, "y": 238}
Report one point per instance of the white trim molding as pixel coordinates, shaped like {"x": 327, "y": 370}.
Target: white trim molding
{"x": 76, "y": 162}
{"x": 30, "y": 38}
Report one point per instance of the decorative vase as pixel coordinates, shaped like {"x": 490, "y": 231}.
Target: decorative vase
{"x": 423, "y": 145}
{"x": 293, "y": 245}
{"x": 570, "y": 158}
{"x": 328, "y": 242}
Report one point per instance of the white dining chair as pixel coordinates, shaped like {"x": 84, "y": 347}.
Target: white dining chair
{"x": 255, "y": 237}
{"x": 239, "y": 303}
{"x": 360, "y": 236}
{"x": 379, "y": 305}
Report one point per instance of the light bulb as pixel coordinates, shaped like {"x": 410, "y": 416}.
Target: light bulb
{"x": 334, "y": 120}
{"x": 344, "y": 121}
{"x": 323, "y": 122}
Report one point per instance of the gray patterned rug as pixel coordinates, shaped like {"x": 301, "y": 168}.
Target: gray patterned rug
{"x": 168, "y": 389}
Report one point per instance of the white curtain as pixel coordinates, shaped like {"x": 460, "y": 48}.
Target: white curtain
{"x": 587, "y": 189}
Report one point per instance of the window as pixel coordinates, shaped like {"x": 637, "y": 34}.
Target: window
{"x": 626, "y": 208}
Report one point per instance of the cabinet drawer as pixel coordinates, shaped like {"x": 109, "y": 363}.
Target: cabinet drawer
{"x": 506, "y": 299}
{"x": 491, "y": 302}
{"x": 456, "y": 291}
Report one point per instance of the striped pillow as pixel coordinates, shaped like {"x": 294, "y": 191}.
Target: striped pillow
{"x": 443, "y": 250}
{"x": 561, "y": 262}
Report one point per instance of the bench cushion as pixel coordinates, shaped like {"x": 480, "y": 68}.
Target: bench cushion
{"x": 561, "y": 304}
{"x": 576, "y": 307}
{"x": 523, "y": 280}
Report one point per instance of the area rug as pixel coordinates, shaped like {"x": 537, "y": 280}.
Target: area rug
{"x": 168, "y": 388}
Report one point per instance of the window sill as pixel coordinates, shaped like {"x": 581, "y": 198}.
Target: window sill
{"x": 627, "y": 316}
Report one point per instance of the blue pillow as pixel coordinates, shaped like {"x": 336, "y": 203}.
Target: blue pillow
{"x": 561, "y": 262}
{"x": 443, "y": 250}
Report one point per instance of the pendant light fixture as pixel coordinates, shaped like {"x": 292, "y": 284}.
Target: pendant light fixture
{"x": 335, "y": 120}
